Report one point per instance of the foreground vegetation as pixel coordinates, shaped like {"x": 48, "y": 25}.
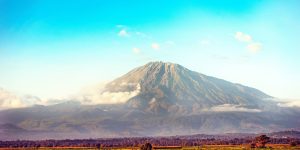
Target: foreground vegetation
{"x": 200, "y": 142}
{"x": 203, "y": 147}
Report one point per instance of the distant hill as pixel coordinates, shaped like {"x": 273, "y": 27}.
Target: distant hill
{"x": 285, "y": 134}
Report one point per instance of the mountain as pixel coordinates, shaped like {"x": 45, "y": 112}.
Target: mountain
{"x": 167, "y": 87}
{"x": 157, "y": 99}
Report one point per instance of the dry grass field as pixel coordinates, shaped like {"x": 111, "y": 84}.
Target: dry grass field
{"x": 204, "y": 147}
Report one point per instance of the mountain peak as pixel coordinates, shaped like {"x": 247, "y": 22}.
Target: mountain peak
{"x": 160, "y": 63}
{"x": 153, "y": 73}
{"x": 165, "y": 65}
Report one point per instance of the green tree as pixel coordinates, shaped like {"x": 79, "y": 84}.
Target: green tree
{"x": 146, "y": 146}
{"x": 98, "y": 146}
{"x": 293, "y": 143}
{"x": 262, "y": 140}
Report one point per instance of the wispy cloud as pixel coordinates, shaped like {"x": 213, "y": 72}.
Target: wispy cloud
{"x": 232, "y": 108}
{"x": 123, "y": 33}
{"x": 10, "y": 100}
{"x": 252, "y": 46}
{"x": 240, "y": 36}
{"x": 295, "y": 103}
{"x": 98, "y": 95}
{"x": 136, "y": 50}
{"x": 155, "y": 46}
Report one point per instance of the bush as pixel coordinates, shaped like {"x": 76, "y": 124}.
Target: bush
{"x": 262, "y": 140}
{"x": 147, "y": 146}
{"x": 293, "y": 143}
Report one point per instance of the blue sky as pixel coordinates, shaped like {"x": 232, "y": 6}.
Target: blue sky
{"x": 53, "y": 48}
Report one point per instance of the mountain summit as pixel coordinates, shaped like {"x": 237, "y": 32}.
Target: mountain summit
{"x": 166, "y": 87}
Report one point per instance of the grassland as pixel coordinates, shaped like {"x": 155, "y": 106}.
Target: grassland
{"x": 203, "y": 147}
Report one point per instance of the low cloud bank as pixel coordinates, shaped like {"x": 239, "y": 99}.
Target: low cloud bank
{"x": 231, "y": 108}
{"x": 9, "y": 100}
{"x": 88, "y": 96}
{"x": 98, "y": 95}
{"x": 285, "y": 102}
{"x": 295, "y": 103}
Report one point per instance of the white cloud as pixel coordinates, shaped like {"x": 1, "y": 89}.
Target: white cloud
{"x": 89, "y": 96}
{"x": 123, "y": 33}
{"x": 136, "y": 50}
{"x": 232, "y": 108}
{"x": 9, "y": 100}
{"x": 126, "y": 31}
{"x": 242, "y": 37}
{"x": 155, "y": 46}
{"x": 94, "y": 96}
{"x": 295, "y": 103}
{"x": 254, "y": 47}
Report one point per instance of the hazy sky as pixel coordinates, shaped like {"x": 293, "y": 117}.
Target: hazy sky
{"x": 53, "y": 48}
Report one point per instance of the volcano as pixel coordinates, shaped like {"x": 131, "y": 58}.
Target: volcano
{"x": 165, "y": 87}
{"x": 157, "y": 99}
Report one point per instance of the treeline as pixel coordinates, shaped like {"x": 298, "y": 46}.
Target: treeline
{"x": 137, "y": 142}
